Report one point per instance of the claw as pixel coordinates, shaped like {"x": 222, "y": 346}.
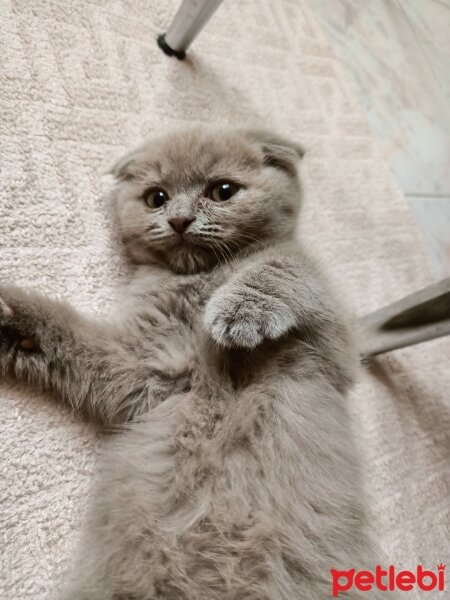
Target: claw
{"x": 7, "y": 310}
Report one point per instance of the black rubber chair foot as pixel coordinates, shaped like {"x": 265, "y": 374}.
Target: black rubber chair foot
{"x": 167, "y": 49}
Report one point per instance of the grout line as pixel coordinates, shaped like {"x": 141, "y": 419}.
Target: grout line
{"x": 426, "y": 196}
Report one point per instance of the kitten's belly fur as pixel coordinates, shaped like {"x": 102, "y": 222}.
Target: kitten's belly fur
{"x": 225, "y": 493}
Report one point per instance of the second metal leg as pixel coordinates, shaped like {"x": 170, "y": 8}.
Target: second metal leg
{"x": 417, "y": 318}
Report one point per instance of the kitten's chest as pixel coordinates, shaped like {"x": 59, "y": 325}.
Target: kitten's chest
{"x": 169, "y": 326}
{"x": 181, "y": 301}
{"x": 168, "y": 312}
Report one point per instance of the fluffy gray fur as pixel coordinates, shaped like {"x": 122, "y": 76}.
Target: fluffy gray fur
{"x": 231, "y": 474}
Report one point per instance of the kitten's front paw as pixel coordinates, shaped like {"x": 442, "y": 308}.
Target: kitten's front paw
{"x": 241, "y": 317}
{"x": 13, "y": 330}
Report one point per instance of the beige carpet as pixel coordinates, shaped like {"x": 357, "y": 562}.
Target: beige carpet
{"x": 80, "y": 81}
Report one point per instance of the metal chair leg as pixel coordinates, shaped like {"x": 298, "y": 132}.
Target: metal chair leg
{"x": 190, "y": 19}
{"x": 420, "y": 317}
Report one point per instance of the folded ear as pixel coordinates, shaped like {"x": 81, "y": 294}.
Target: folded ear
{"x": 127, "y": 166}
{"x": 278, "y": 152}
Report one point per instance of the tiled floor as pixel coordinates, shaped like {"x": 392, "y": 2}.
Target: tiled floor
{"x": 398, "y": 53}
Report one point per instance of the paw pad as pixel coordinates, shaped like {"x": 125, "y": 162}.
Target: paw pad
{"x": 27, "y": 343}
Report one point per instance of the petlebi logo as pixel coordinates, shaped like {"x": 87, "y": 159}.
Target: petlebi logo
{"x": 389, "y": 579}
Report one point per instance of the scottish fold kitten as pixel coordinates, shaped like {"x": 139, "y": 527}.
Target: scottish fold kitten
{"x": 231, "y": 472}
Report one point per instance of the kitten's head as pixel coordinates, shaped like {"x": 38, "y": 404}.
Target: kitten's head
{"x": 193, "y": 199}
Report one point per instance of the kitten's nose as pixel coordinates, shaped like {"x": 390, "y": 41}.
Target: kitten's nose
{"x": 180, "y": 224}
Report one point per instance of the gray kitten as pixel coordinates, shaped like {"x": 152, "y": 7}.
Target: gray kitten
{"x": 232, "y": 474}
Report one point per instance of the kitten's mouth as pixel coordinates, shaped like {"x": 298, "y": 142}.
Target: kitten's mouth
{"x": 184, "y": 239}
{"x": 186, "y": 242}
{"x": 191, "y": 241}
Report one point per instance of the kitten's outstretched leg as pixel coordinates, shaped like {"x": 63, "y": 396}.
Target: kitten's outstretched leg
{"x": 278, "y": 293}
{"x": 50, "y": 345}
{"x": 264, "y": 300}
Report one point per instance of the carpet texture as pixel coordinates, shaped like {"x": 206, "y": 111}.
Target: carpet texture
{"x": 80, "y": 82}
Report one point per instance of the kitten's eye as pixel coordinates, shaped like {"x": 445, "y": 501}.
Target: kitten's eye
{"x": 155, "y": 197}
{"x": 224, "y": 190}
